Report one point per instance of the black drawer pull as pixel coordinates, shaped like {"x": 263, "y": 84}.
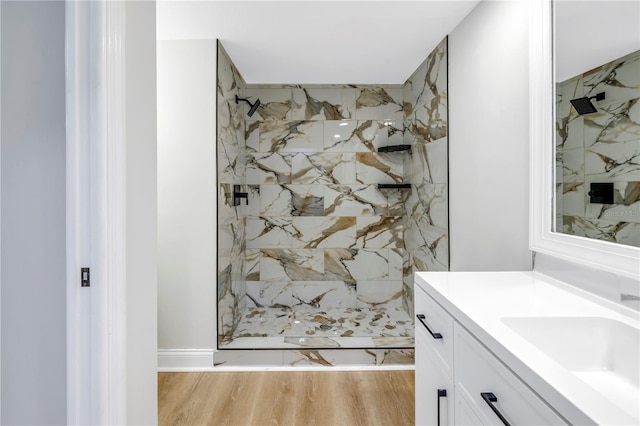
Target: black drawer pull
{"x": 421, "y": 318}
{"x": 441, "y": 393}
{"x": 490, "y": 398}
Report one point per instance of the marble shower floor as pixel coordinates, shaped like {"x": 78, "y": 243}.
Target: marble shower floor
{"x": 286, "y": 328}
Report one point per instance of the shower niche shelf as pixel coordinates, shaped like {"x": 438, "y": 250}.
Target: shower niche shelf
{"x": 395, "y": 148}
{"x": 394, "y": 186}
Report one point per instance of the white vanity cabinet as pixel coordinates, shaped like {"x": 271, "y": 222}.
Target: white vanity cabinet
{"x": 434, "y": 362}
{"x": 452, "y": 362}
{"x": 495, "y": 394}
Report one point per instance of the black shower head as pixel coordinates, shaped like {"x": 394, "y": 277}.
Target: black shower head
{"x": 253, "y": 106}
{"x": 584, "y": 106}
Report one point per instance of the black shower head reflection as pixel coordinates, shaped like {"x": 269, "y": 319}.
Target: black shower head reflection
{"x": 584, "y": 106}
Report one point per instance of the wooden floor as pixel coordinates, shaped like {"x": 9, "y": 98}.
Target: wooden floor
{"x": 287, "y": 398}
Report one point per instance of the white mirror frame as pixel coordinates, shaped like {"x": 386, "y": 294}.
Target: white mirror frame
{"x": 617, "y": 258}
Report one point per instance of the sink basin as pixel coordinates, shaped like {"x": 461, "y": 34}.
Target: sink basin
{"x": 602, "y": 352}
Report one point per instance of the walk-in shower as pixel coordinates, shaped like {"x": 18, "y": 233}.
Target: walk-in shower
{"x": 346, "y": 197}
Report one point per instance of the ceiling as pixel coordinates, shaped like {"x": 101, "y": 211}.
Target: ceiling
{"x": 317, "y": 42}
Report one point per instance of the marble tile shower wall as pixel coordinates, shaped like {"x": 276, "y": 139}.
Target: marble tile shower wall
{"x": 600, "y": 147}
{"x": 320, "y": 234}
{"x": 231, "y": 170}
{"x": 426, "y": 229}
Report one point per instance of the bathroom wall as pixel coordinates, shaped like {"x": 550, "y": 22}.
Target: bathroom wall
{"x": 320, "y": 233}
{"x": 186, "y": 194}
{"x": 600, "y": 147}
{"x": 34, "y": 351}
{"x": 426, "y": 119}
{"x": 489, "y": 139}
{"x": 231, "y": 169}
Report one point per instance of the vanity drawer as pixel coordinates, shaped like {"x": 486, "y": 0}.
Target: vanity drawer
{"x": 478, "y": 371}
{"x": 435, "y": 326}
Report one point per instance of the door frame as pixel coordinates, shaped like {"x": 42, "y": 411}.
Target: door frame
{"x": 96, "y": 211}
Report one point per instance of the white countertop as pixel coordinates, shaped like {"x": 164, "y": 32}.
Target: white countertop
{"x": 478, "y": 300}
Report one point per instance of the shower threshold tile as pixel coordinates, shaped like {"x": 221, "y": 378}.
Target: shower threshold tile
{"x": 337, "y": 328}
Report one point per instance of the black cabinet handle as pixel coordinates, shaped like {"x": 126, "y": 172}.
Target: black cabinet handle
{"x": 421, "y": 318}
{"x": 490, "y": 398}
{"x": 441, "y": 393}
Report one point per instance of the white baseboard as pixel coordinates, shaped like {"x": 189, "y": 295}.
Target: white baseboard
{"x": 202, "y": 360}
{"x": 179, "y": 360}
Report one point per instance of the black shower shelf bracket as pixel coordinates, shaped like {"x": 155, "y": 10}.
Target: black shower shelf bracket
{"x": 394, "y": 185}
{"x": 394, "y": 148}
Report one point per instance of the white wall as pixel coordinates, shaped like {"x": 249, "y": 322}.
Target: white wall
{"x": 186, "y": 194}
{"x": 141, "y": 239}
{"x": 591, "y": 33}
{"x": 489, "y": 139}
{"x": 33, "y": 387}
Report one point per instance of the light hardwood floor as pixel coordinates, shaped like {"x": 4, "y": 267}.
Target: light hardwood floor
{"x": 328, "y": 398}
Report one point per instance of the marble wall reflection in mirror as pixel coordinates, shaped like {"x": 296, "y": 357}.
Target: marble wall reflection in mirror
{"x": 597, "y": 51}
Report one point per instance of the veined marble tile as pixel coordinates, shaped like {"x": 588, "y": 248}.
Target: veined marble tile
{"x": 615, "y": 123}
{"x": 275, "y": 104}
{"x": 429, "y": 202}
{"x": 269, "y": 232}
{"x": 252, "y": 206}
{"x": 379, "y": 104}
{"x": 354, "y": 200}
{"x": 607, "y": 230}
{"x": 619, "y": 79}
{"x": 243, "y": 357}
{"x": 264, "y": 322}
{"x": 573, "y": 165}
{"x": 395, "y": 356}
{"x": 395, "y": 201}
{"x": 357, "y": 264}
{"x": 428, "y": 247}
{"x": 252, "y": 135}
{"x": 429, "y": 80}
{"x": 307, "y": 200}
{"x": 328, "y": 342}
{"x": 374, "y": 168}
{"x": 324, "y": 104}
{"x": 570, "y": 131}
{"x": 268, "y": 168}
{"x": 379, "y": 232}
{"x": 291, "y": 136}
{"x": 275, "y": 292}
{"x": 323, "y": 294}
{"x": 616, "y": 161}
{"x": 362, "y": 135}
{"x": 251, "y": 264}
{"x": 431, "y": 124}
{"x": 324, "y": 232}
{"x": 249, "y": 342}
{"x": 394, "y": 342}
{"x": 296, "y": 264}
{"x": 407, "y": 294}
{"x": 574, "y": 198}
{"x": 429, "y": 162}
{"x": 275, "y": 200}
{"x": 567, "y": 90}
{"x": 396, "y": 259}
{"x": 626, "y": 207}
{"x": 330, "y": 357}
{"x": 375, "y": 294}
{"x": 324, "y": 167}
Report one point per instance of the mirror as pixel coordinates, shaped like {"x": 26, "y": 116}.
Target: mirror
{"x": 583, "y": 40}
{"x": 597, "y": 110}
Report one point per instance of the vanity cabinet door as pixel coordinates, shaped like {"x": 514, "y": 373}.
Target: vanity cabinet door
{"x": 434, "y": 388}
{"x": 436, "y": 325}
{"x": 492, "y": 390}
